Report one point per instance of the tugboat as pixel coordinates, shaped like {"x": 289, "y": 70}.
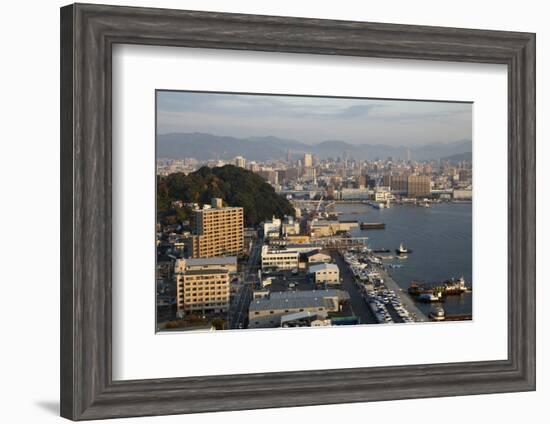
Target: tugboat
{"x": 438, "y": 314}
{"x": 402, "y": 250}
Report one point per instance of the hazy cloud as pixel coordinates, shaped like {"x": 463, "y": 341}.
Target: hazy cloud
{"x": 314, "y": 119}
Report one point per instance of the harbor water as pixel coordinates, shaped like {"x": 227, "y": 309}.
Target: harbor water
{"x": 440, "y": 238}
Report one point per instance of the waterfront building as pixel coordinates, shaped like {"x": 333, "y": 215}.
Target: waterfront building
{"x": 396, "y": 183}
{"x": 328, "y": 228}
{"x": 218, "y": 231}
{"x": 382, "y": 194}
{"x": 463, "y": 194}
{"x": 354, "y": 194}
{"x": 203, "y": 291}
{"x": 419, "y": 186}
{"x": 325, "y": 273}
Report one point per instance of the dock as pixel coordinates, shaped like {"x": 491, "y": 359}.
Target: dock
{"x": 372, "y": 225}
{"x": 405, "y": 299}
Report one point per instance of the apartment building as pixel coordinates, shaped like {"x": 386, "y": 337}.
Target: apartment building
{"x": 218, "y": 231}
{"x": 203, "y": 291}
{"x": 419, "y": 186}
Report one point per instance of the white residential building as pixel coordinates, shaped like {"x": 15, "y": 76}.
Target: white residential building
{"x": 272, "y": 228}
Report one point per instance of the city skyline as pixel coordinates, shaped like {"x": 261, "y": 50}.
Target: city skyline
{"x": 312, "y": 120}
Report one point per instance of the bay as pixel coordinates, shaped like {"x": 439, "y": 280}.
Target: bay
{"x": 440, "y": 238}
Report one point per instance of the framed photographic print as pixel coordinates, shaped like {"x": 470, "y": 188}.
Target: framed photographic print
{"x": 268, "y": 211}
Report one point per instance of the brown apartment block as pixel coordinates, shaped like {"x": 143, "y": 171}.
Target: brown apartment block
{"x": 419, "y": 185}
{"x": 218, "y": 231}
{"x": 396, "y": 183}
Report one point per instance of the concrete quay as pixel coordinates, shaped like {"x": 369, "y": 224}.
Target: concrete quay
{"x": 405, "y": 299}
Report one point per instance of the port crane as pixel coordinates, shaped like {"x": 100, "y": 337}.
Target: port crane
{"x": 319, "y": 204}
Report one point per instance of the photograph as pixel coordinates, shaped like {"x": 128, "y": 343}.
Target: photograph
{"x": 284, "y": 211}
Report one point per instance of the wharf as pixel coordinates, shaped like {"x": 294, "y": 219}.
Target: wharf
{"x": 403, "y": 297}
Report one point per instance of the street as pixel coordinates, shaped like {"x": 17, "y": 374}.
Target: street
{"x": 239, "y": 307}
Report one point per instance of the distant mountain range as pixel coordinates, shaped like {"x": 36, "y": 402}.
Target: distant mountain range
{"x": 204, "y": 146}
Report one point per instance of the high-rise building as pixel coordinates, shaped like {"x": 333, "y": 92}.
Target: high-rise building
{"x": 396, "y": 183}
{"x": 240, "y": 161}
{"x": 419, "y": 185}
{"x": 218, "y": 231}
{"x": 408, "y": 155}
{"x": 308, "y": 160}
{"x": 269, "y": 175}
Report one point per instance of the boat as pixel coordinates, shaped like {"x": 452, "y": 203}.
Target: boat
{"x": 402, "y": 249}
{"x": 438, "y": 314}
{"x": 429, "y": 296}
{"x": 445, "y": 288}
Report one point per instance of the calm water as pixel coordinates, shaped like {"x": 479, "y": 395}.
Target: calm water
{"x": 440, "y": 238}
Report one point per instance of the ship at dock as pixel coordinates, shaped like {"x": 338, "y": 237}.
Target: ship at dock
{"x": 435, "y": 292}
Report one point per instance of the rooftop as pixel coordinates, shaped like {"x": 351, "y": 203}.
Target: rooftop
{"x": 286, "y": 303}
{"x": 323, "y": 267}
{"x": 223, "y": 260}
{"x": 206, "y": 272}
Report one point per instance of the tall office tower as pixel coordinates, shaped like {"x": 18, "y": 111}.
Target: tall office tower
{"x": 240, "y": 161}
{"x": 308, "y": 160}
{"x": 289, "y": 155}
{"x": 218, "y": 231}
{"x": 418, "y": 186}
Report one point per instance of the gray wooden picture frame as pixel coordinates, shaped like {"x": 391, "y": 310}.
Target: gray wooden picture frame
{"x": 88, "y": 33}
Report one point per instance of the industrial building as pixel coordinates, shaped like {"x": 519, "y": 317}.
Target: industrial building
{"x": 267, "y": 312}
{"x": 325, "y": 273}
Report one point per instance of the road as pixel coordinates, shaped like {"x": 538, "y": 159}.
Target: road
{"x": 357, "y": 304}
{"x": 238, "y": 310}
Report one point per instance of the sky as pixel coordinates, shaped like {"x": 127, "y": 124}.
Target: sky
{"x": 314, "y": 119}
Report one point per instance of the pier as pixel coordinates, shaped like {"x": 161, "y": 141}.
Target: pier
{"x": 403, "y": 297}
